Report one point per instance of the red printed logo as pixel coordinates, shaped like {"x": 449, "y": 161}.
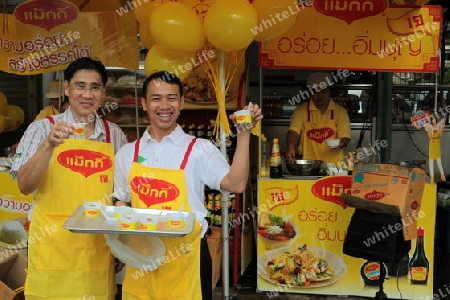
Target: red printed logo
{"x": 350, "y": 10}
{"x": 331, "y": 189}
{"x": 153, "y": 191}
{"x": 79, "y": 130}
{"x": 85, "y": 162}
{"x": 320, "y": 135}
{"x": 374, "y": 195}
{"x": 414, "y": 205}
{"x": 46, "y": 14}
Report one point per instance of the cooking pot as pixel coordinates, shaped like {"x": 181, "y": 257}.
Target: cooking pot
{"x": 301, "y": 167}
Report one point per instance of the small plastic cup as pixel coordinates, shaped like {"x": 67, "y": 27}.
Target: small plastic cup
{"x": 129, "y": 222}
{"x": 79, "y": 131}
{"x": 175, "y": 220}
{"x": 91, "y": 209}
{"x": 243, "y": 116}
{"x": 149, "y": 222}
{"x": 120, "y": 210}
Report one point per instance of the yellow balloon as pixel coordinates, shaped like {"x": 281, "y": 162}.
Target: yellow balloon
{"x": 275, "y": 17}
{"x": 14, "y": 117}
{"x": 146, "y": 38}
{"x": 2, "y": 123}
{"x": 158, "y": 59}
{"x": 229, "y": 24}
{"x": 177, "y": 28}
{"x": 143, "y": 12}
{"x": 3, "y": 103}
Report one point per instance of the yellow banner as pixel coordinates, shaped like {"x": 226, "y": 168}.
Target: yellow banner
{"x": 26, "y": 49}
{"x": 394, "y": 38}
{"x": 318, "y": 221}
{"x": 13, "y": 203}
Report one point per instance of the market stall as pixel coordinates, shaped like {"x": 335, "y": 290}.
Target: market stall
{"x": 313, "y": 206}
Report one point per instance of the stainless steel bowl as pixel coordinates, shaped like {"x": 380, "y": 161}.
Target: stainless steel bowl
{"x": 303, "y": 167}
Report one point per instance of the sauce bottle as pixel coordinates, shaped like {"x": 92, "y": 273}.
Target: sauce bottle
{"x": 419, "y": 265}
{"x": 276, "y": 170}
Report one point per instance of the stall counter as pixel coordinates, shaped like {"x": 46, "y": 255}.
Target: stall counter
{"x": 13, "y": 204}
{"x": 320, "y": 219}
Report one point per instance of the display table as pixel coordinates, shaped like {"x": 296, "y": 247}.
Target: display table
{"x": 320, "y": 219}
{"x": 13, "y": 203}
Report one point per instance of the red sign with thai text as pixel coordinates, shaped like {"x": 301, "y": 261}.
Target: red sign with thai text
{"x": 358, "y": 35}
{"x": 46, "y": 14}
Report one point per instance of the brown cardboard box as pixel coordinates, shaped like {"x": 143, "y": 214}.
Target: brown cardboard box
{"x": 215, "y": 249}
{"x": 395, "y": 185}
{"x": 12, "y": 274}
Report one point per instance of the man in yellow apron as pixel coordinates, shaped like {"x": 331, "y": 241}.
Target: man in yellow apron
{"x": 63, "y": 172}
{"x": 317, "y": 120}
{"x": 166, "y": 156}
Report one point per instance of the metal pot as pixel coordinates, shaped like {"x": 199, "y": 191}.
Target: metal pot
{"x": 302, "y": 167}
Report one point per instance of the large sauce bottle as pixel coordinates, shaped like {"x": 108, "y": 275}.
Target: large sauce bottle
{"x": 419, "y": 265}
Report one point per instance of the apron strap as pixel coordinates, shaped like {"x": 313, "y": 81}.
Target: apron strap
{"x": 107, "y": 131}
{"x": 309, "y": 114}
{"x": 51, "y": 119}
{"x": 185, "y": 158}
{"x": 136, "y": 151}
{"x": 188, "y": 152}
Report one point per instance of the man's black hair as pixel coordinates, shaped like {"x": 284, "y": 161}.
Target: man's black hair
{"x": 86, "y": 63}
{"x": 162, "y": 76}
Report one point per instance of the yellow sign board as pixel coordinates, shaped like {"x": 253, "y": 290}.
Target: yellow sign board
{"x": 27, "y": 49}
{"x": 396, "y": 38}
{"x": 318, "y": 221}
{"x": 13, "y": 203}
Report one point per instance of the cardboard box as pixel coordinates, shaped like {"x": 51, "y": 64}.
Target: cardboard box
{"x": 12, "y": 274}
{"x": 394, "y": 185}
{"x": 215, "y": 245}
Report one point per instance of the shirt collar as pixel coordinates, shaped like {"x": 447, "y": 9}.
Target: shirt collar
{"x": 99, "y": 129}
{"x": 177, "y": 136}
{"x": 331, "y": 105}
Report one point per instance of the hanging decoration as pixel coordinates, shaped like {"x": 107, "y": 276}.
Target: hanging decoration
{"x": 275, "y": 17}
{"x": 230, "y": 24}
{"x": 177, "y": 28}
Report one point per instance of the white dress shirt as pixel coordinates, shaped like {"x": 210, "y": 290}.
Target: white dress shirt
{"x": 206, "y": 166}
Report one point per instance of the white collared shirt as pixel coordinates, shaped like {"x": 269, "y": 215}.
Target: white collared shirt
{"x": 38, "y": 131}
{"x": 206, "y": 166}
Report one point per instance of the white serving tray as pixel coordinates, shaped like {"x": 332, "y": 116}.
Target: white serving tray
{"x": 78, "y": 223}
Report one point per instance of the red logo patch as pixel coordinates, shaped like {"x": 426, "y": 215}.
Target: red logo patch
{"x": 153, "y": 191}
{"x": 320, "y": 135}
{"x": 85, "y": 162}
{"x": 46, "y": 14}
{"x": 331, "y": 189}
{"x": 79, "y": 130}
{"x": 374, "y": 195}
{"x": 414, "y": 205}
{"x": 350, "y": 10}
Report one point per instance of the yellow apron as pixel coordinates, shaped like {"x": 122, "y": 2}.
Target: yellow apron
{"x": 63, "y": 265}
{"x": 314, "y": 136}
{"x": 435, "y": 145}
{"x": 178, "y": 278}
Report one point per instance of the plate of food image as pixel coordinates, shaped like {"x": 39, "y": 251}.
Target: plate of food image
{"x": 301, "y": 267}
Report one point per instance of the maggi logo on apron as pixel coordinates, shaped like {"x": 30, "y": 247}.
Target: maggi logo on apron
{"x": 85, "y": 162}
{"x": 153, "y": 191}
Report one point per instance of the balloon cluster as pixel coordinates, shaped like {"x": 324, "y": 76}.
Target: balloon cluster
{"x": 11, "y": 116}
{"x": 173, "y": 31}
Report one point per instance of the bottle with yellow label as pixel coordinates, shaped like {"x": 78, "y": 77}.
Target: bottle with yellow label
{"x": 419, "y": 265}
{"x": 276, "y": 169}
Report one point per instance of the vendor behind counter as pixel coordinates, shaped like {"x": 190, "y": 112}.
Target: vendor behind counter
{"x": 317, "y": 120}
